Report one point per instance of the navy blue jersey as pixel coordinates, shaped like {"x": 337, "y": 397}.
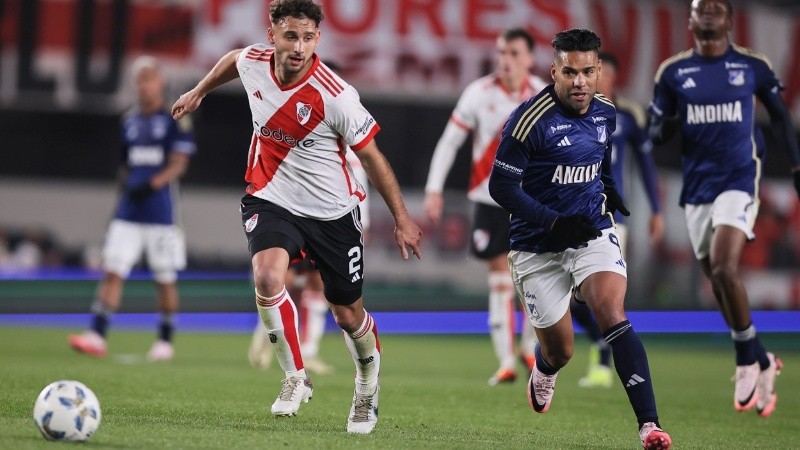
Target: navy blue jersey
{"x": 147, "y": 144}
{"x": 631, "y": 135}
{"x": 556, "y": 158}
{"x": 715, "y": 98}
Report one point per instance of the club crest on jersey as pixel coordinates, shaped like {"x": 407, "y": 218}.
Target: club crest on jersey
{"x": 303, "y": 112}
{"x": 736, "y": 77}
{"x": 250, "y": 225}
{"x": 601, "y": 133}
{"x": 480, "y": 238}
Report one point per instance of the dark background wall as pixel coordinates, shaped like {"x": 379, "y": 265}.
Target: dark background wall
{"x": 85, "y": 145}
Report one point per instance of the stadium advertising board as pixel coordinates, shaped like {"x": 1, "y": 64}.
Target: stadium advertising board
{"x": 73, "y": 53}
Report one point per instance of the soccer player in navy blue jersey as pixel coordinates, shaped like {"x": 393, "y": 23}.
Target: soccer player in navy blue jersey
{"x": 156, "y": 152}
{"x": 553, "y": 174}
{"x": 707, "y": 95}
{"x": 630, "y": 138}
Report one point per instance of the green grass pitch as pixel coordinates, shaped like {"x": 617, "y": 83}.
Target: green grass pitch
{"x": 433, "y": 395}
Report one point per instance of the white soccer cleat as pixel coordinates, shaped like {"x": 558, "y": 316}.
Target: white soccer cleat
{"x": 294, "y": 391}
{"x": 541, "y": 388}
{"x": 765, "y": 389}
{"x": 90, "y": 343}
{"x": 654, "y": 438}
{"x": 160, "y": 351}
{"x": 260, "y": 352}
{"x": 745, "y": 395}
{"x": 363, "y": 413}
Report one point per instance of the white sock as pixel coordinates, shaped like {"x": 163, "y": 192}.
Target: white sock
{"x": 365, "y": 348}
{"x": 279, "y": 316}
{"x": 314, "y": 309}
{"x": 501, "y": 317}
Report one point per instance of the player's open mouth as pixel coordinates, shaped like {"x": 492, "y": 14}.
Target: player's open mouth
{"x": 580, "y": 96}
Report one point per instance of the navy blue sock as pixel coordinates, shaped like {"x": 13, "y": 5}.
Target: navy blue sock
{"x": 630, "y": 360}
{"x": 166, "y": 328}
{"x": 101, "y": 317}
{"x": 100, "y": 324}
{"x": 749, "y": 348}
{"x": 605, "y": 354}
{"x": 542, "y": 365}
{"x": 165, "y": 331}
{"x": 761, "y": 354}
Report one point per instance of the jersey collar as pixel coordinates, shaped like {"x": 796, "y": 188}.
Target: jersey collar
{"x": 314, "y": 65}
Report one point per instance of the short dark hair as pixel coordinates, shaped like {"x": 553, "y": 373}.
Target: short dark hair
{"x": 519, "y": 33}
{"x": 278, "y": 9}
{"x": 576, "y": 39}
{"x": 608, "y": 58}
{"x": 728, "y": 3}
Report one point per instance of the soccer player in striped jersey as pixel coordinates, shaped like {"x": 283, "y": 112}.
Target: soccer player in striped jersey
{"x": 553, "y": 174}
{"x": 482, "y": 110}
{"x": 302, "y": 195}
{"x": 707, "y": 95}
{"x": 313, "y": 306}
{"x": 156, "y": 152}
{"x": 629, "y": 137}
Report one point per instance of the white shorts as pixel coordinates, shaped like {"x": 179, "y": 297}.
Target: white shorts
{"x": 734, "y": 208}
{"x": 544, "y": 281}
{"x": 163, "y": 244}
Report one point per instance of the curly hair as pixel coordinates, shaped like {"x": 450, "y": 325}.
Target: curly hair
{"x": 279, "y": 9}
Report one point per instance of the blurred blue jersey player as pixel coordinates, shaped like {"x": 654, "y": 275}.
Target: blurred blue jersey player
{"x": 552, "y": 172}
{"x": 707, "y": 94}
{"x": 156, "y": 151}
{"x": 629, "y": 138}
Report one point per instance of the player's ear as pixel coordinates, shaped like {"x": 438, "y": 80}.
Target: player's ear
{"x": 271, "y": 36}
{"x": 553, "y": 72}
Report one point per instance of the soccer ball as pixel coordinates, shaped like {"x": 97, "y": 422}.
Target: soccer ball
{"x": 67, "y": 410}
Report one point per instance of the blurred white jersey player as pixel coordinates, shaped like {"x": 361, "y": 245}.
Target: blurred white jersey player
{"x": 313, "y": 306}
{"x": 156, "y": 151}
{"x": 482, "y": 110}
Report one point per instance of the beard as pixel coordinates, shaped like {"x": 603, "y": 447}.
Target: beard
{"x": 707, "y": 35}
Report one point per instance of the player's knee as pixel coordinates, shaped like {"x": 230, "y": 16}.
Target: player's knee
{"x": 724, "y": 273}
{"x": 268, "y": 282}
{"x": 346, "y": 318}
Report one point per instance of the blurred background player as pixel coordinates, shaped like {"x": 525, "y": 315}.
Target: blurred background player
{"x": 156, "y": 152}
{"x": 302, "y": 199}
{"x": 313, "y": 306}
{"x": 482, "y": 110}
{"x": 631, "y": 134}
{"x": 553, "y": 174}
{"x": 707, "y": 95}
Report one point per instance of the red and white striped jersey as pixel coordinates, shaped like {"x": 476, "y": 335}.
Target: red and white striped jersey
{"x": 483, "y": 109}
{"x": 300, "y": 137}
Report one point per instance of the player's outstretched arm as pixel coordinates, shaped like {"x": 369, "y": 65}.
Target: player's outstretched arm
{"x": 442, "y": 161}
{"x": 381, "y": 176}
{"x": 221, "y": 73}
{"x": 782, "y": 124}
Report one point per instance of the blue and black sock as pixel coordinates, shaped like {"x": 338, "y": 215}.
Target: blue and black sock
{"x": 166, "y": 327}
{"x": 749, "y": 348}
{"x": 101, "y": 317}
{"x": 630, "y": 360}
{"x": 541, "y": 364}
